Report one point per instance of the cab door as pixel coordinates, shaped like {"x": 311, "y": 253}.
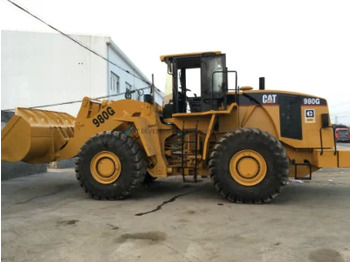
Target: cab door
{"x": 213, "y": 81}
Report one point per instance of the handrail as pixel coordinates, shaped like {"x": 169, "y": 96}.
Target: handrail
{"x": 334, "y": 140}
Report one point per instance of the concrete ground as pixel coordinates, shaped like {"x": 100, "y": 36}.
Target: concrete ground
{"x": 47, "y": 217}
{"x": 343, "y": 145}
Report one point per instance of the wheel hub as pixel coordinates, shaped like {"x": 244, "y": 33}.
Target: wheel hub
{"x": 248, "y": 167}
{"x": 105, "y": 167}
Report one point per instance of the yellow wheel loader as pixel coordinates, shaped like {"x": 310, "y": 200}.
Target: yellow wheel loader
{"x": 248, "y": 141}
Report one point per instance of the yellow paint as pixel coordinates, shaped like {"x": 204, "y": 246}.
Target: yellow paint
{"x": 299, "y": 156}
{"x": 329, "y": 158}
{"x": 163, "y": 58}
{"x": 265, "y": 118}
{"x": 34, "y": 136}
{"x": 38, "y": 136}
{"x": 105, "y": 167}
{"x": 207, "y": 136}
{"x": 246, "y": 88}
{"x": 248, "y": 167}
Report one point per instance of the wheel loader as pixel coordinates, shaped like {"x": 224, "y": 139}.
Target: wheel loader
{"x": 248, "y": 141}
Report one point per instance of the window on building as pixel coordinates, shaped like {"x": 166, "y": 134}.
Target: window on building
{"x": 114, "y": 84}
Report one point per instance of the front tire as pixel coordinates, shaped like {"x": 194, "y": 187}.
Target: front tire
{"x": 249, "y": 165}
{"x": 110, "y": 165}
{"x": 148, "y": 179}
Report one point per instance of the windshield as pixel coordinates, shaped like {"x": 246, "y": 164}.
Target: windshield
{"x": 342, "y": 132}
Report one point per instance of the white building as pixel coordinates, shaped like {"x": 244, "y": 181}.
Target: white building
{"x": 45, "y": 68}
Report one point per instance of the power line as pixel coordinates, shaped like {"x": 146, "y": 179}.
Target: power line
{"x": 88, "y": 49}
{"x": 77, "y": 42}
{"x": 79, "y": 101}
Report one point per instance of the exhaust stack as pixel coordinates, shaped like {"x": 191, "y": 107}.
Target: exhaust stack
{"x": 261, "y": 83}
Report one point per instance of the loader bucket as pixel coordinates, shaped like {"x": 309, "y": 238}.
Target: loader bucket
{"x": 35, "y": 136}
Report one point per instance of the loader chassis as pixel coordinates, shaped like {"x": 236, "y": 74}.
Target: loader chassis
{"x": 248, "y": 141}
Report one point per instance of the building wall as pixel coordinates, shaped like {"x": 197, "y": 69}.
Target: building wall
{"x": 127, "y": 80}
{"x": 45, "y": 68}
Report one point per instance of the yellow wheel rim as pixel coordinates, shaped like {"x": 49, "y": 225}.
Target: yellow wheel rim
{"x": 248, "y": 167}
{"x": 105, "y": 167}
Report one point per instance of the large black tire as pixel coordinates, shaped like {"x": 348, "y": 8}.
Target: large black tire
{"x": 258, "y": 149}
{"x": 148, "y": 179}
{"x": 128, "y": 168}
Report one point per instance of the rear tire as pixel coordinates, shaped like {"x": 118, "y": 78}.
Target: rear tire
{"x": 249, "y": 165}
{"x": 110, "y": 165}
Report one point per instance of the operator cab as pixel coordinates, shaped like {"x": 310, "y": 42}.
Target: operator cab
{"x": 213, "y": 82}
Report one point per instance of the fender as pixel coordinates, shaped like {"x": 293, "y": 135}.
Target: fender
{"x": 145, "y": 132}
{"x": 148, "y": 131}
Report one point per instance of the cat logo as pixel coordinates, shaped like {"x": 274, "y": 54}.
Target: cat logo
{"x": 310, "y": 116}
{"x": 269, "y": 99}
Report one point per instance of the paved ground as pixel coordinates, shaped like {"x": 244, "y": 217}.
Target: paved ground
{"x": 47, "y": 217}
{"x": 343, "y": 145}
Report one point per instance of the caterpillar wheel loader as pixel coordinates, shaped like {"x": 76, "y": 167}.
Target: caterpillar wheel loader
{"x": 248, "y": 141}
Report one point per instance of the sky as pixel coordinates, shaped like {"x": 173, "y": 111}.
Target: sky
{"x": 299, "y": 46}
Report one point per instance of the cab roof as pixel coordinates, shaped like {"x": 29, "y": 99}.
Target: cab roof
{"x": 164, "y": 58}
